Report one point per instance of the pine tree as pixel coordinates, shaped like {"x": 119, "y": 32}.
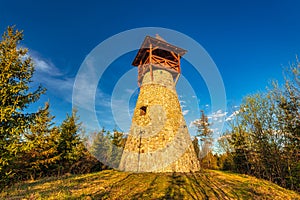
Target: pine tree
{"x": 16, "y": 71}
{"x": 118, "y": 143}
{"x": 205, "y": 134}
{"x": 203, "y": 129}
{"x": 41, "y": 153}
{"x": 101, "y": 146}
{"x": 70, "y": 146}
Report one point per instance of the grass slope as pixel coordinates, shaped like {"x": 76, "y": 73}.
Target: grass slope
{"x": 112, "y": 184}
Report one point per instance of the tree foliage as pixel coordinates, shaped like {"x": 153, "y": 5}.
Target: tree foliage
{"x": 41, "y": 153}
{"x": 204, "y": 150}
{"x": 31, "y": 145}
{"x": 16, "y": 71}
{"x": 108, "y": 147}
{"x": 264, "y": 137}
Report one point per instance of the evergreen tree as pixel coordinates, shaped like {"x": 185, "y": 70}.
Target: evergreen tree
{"x": 16, "y": 71}
{"x": 118, "y": 143}
{"x": 101, "y": 146}
{"x": 41, "y": 155}
{"x": 204, "y": 132}
{"x": 70, "y": 146}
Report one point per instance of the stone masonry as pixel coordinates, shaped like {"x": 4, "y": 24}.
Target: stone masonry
{"x": 158, "y": 140}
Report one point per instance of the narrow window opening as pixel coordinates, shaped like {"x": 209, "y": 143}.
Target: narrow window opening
{"x": 143, "y": 110}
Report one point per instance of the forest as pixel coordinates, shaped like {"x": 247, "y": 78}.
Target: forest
{"x": 262, "y": 139}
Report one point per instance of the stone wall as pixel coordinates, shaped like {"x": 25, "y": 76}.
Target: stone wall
{"x": 158, "y": 140}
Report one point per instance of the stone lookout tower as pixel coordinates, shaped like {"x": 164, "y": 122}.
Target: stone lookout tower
{"x": 158, "y": 140}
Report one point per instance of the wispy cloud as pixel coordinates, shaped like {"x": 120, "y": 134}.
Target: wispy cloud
{"x": 185, "y": 112}
{"x": 41, "y": 64}
{"x": 130, "y": 91}
{"x": 230, "y": 117}
{"x": 50, "y": 76}
{"x": 183, "y": 105}
{"x": 216, "y": 116}
{"x": 45, "y": 66}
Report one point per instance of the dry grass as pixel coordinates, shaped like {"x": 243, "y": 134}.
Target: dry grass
{"x": 112, "y": 184}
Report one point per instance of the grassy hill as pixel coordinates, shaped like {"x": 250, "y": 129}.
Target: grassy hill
{"x": 112, "y": 184}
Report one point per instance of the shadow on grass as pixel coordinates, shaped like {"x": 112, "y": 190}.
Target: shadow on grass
{"x": 65, "y": 185}
{"x": 135, "y": 186}
{"x": 165, "y": 186}
{"x": 174, "y": 190}
{"x": 200, "y": 185}
{"x": 110, "y": 184}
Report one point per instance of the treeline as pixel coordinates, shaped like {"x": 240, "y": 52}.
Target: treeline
{"x": 264, "y": 136}
{"x": 31, "y": 144}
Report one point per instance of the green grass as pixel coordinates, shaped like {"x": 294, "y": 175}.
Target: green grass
{"x": 110, "y": 184}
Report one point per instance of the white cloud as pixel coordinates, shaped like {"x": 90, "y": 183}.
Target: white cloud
{"x": 215, "y": 119}
{"x": 43, "y": 65}
{"x": 215, "y": 116}
{"x": 62, "y": 86}
{"x": 215, "y": 130}
{"x": 191, "y": 125}
{"x": 185, "y": 112}
{"x": 130, "y": 91}
{"x": 183, "y": 105}
{"x": 50, "y": 76}
{"x": 230, "y": 117}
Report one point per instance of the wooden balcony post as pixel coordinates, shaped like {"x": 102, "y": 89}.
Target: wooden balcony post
{"x": 150, "y": 62}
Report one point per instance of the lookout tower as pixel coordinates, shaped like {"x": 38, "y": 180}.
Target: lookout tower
{"x": 158, "y": 140}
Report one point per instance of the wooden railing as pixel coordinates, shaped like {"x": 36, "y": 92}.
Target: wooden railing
{"x": 156, "y": 61}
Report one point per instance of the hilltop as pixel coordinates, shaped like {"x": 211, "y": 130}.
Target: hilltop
{"x": 110, "y": 184}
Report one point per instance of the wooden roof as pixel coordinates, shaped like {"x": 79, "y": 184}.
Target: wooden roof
{"x": 159, "y": 47}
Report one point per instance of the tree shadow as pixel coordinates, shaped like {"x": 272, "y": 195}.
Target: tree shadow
{"x": 202, "y": 179}
{"x": 172, "y": 186}
{"x": 111, "y": 184}
{"x": 108, "y": 191}
{"x": 176, "y": 183}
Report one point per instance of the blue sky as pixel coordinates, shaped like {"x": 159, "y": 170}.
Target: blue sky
{"x": 249, "y": 41}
